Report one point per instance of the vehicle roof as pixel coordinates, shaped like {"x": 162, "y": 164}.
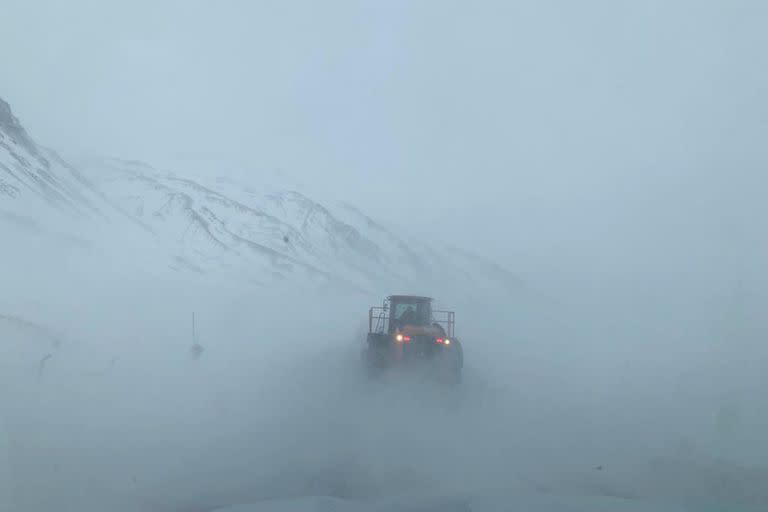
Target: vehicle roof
{"x": 410, "y": 297}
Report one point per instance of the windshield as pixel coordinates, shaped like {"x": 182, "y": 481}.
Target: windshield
{"x": 412, "y": 313}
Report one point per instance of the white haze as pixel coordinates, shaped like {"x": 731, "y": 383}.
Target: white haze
{"x": 122, "y": 418}
{"x": 613, "y": 155}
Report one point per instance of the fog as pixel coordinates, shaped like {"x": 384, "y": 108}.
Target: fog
{"x": 664, "y": 395}
{"x": 611, "y": 156}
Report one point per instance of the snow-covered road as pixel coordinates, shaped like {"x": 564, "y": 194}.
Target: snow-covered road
{"x": 298, "y": 428}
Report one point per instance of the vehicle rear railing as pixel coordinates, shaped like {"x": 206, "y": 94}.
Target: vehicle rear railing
{"x": 446, "y": 319}
{"x": 378, "y": 319}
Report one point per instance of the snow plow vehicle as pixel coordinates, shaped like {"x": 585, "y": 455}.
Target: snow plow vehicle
{"x": 405, "y": 332}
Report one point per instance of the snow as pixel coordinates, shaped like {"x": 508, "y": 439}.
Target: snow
{"x": 107, "y": 266}
{"x": 204, "y": 226}
{"x": 215, "y": 225}
{"x": 201, "y": 227}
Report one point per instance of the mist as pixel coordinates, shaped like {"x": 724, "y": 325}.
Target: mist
{"x": 663, "y": 393}
{"x": 584, "y": 185}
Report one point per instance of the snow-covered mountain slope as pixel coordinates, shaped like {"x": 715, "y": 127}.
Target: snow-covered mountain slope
{"x": 42, "y": 197}
{"x": 429, "y": 256}
{"x": 31, "y": 176}
{"x": 212, "y": 228}
{"x": 215, "y": 227}
{"x": 265, "y": 232}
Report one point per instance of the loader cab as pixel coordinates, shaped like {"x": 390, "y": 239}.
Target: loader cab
{"x": 409, "y": 310}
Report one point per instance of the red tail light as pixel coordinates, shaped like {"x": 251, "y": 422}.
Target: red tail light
{"x": 406, "y": 339}
{"x": 439, "y": 340}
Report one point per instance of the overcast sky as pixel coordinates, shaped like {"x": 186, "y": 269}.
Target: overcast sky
{"x": 537, "y": 132}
